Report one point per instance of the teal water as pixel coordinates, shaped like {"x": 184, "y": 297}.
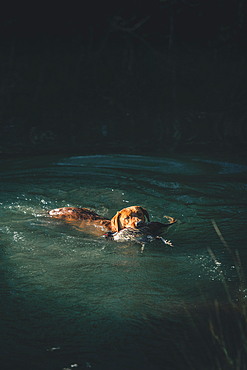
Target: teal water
{"x": 72, "y": 300}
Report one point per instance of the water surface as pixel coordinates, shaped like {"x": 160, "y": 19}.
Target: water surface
{"x": 72, "y": 300}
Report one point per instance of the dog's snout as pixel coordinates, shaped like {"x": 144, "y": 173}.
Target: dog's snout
{"x": 139, "y": 224}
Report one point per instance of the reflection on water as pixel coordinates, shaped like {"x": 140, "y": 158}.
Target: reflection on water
{"x": 71, "y": 299}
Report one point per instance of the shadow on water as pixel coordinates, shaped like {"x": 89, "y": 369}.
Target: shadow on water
{"x": 71, "y": 300}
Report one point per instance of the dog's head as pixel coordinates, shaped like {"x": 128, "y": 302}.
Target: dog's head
{"x": 129, "y": 217}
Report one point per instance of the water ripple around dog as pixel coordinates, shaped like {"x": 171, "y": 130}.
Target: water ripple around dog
{"x": 63, "y": 288}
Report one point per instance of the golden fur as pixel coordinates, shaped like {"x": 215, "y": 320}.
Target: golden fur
{"x": 89, "y": 220}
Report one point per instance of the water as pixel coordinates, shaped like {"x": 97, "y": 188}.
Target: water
{"x": 72, "y": 300}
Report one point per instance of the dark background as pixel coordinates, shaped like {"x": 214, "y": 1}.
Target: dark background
{"x": 136, "y": 77}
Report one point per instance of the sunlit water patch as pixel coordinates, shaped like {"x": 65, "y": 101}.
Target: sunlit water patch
{"x": 69, "y": 298}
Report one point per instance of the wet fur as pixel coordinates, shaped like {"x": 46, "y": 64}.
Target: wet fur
{"x": 91, "y": 222}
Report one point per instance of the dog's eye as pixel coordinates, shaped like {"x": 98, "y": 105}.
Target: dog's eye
{"x": 126, "y": 218}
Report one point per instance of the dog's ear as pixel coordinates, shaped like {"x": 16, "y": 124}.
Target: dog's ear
{"x": 115, "y": 222}
{"x": 145, "y": 212}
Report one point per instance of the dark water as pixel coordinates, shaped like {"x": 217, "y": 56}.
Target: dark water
{"x": 71, "y": 300}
